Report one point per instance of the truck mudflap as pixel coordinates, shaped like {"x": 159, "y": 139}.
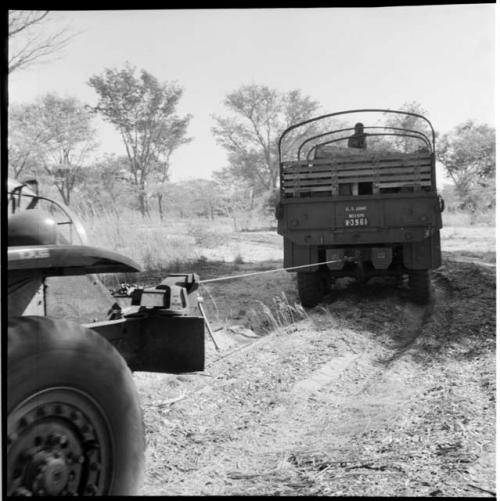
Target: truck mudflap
{"x": 299, "y": 255}
{"x": 157, "y": 342}
{"x": 424, "y": 254}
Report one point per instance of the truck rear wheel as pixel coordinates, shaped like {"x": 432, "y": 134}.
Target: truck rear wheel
{"x": 74, "y": 423}
{"x": 312, "y": 288}
{"x": 420, "y": 286}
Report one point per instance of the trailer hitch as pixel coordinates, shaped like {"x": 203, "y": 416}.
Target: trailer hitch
{"x": 170, "y": 297}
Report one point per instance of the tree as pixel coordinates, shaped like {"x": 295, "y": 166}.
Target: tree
{"x": 143, "y": 110}
{"x": 105, "y": 186}
{"x": 68, "y": 139}
{"x": 407, "y": 144}
{"x": 258, "y": 115}
{"x": 31, "y": 40}
{"x": 161, "y": 172}
{"x": 205, "y": 197}
{"x": 236, "y": 198}
{"x": 468, "y": 155}
{"x": 55, "y": 135}
{"x": 23, "y": 140}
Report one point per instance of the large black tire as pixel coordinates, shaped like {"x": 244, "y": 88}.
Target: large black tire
{"x": 312, "y": 288}
{"x": 420, "y": 286}
{"x": 74, "y": 423}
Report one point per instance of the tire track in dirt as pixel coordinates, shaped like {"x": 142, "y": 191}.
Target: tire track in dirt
{"x": 365, "y": 389}
{"x": 291, "y": 421}
{"x": 321, "y": 408}
{"x": 415, "y": 385}
{"x": 342, "y": 399}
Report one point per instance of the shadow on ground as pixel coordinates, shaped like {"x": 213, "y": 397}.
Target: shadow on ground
{"x": 460, "y": 321}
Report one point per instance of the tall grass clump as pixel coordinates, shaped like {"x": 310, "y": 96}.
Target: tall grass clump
{"x": 263, "y": 319}
{"x": 156, "y": 243}
{"x": 151, "y": 242}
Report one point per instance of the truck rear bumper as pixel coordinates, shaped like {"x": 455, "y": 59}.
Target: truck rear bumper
{"x": 358, "y": 236}
{"x": 409, "y": 222}
{"x": 415, "y": 254}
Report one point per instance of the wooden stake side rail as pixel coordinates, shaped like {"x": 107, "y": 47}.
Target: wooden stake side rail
{"x": 381, "y": 184}
{"x": 313, "y": 174}
{"x": 328, "y": 189}
{"x": 398, "y": 171}
{"x": 384, "y": 180}
{"x": 339, "y": 164}
{"x": 397, "y": 158}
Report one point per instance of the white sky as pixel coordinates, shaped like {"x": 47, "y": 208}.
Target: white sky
{"x": 440, "y": 56}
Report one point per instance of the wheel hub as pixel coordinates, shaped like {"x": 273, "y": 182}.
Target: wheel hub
{"x": 57, "y": 449}
{"x": 54, "y": 476}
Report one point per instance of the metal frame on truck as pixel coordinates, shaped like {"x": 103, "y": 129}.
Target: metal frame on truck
{"x": 361, "y": 212}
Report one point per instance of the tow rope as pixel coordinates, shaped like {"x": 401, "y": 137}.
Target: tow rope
{"x": 229, "y": 277}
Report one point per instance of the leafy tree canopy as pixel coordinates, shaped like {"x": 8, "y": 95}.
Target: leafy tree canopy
{"x": 55, "y": 136}
{"x": 468, "y": 155}
{"x": 143, "y": 110}
{"x": 257, "y": 115}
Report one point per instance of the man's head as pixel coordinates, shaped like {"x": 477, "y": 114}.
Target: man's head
{"x": 359, "y": 127}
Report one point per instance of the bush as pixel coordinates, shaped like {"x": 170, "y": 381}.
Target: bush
{"x": 204, "y": 236}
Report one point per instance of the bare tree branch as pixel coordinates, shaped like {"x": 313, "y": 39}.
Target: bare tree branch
{"x": 29, "y": 41}
{"x": 21, "y": 20}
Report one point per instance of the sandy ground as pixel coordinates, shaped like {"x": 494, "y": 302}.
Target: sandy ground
{"x": 268, "y": 245}
{"x": 366, "y": 394}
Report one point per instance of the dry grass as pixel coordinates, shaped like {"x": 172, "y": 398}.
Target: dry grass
{"x": 467, "y": 219}
{"x": 154, "y": 243}
{"x": 157, "y": 244}
{"x": 331, "y": 405}
{"x": 280, "y": 314}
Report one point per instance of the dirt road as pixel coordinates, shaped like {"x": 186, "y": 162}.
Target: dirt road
{"x": 367, "y": 394}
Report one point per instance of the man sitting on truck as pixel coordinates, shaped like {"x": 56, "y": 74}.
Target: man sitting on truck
{"x": 358, "y": 139}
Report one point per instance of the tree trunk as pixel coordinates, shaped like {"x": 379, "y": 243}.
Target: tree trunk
{"x": 160, "y": 205}
{"x": 143, "y": 204}
{"x": 61, "y": 190}
{"x": 68, "y": 194}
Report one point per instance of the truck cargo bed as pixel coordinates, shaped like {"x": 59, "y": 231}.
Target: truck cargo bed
{"x": 357, "y": 174}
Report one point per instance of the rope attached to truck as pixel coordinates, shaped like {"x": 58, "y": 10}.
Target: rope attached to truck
{"x": 229, "y": 277}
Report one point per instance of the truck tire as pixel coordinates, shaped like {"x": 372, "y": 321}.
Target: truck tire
{"x": 74, "y": 423}
{"x": 312, "y": 288}
{"x": 420, "y": 286}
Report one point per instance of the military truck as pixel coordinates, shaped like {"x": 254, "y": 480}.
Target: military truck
{"x": 74, "y": 423}
{"x": 359, "y": 200}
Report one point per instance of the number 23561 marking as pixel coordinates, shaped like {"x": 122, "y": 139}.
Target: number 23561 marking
{"x": 359, "y": 221}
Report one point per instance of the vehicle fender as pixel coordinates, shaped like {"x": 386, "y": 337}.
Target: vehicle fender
{"x": 31, "y": 228}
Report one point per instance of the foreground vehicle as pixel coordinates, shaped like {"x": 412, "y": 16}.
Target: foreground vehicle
{"x": 362, "y": 199}
{"x": 74, "y": 423}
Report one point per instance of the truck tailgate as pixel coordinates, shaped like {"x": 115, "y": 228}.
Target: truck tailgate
{"x": 378, "y": 219}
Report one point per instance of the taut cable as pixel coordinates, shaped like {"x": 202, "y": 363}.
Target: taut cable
{"x": 230, "y": 277}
